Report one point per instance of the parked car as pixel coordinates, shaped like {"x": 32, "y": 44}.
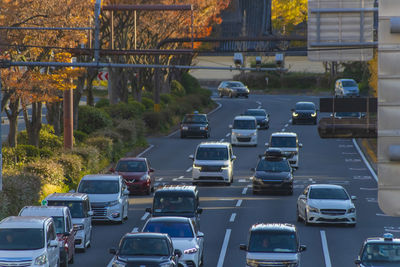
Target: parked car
{"x": 177, "y": 200}
{"x": 273, "y": 244}
{"x": 244, "y": 131}
{"x": 379, "y": 252}
{"x": 304, "y": 112}
{"x": 64, "y": 228}
{"x": 137, "y": 174}
{"x": 213, "y": 162}
{"x": 288, "y": 143}
{"x": 346, "y": 88}
{"x": 261, "y": 116}
{"x": 233, "y": 89}
{"x": 108, "y": 196}
{"x": 326, "y": 203}
{"x": 184, "y": 236}
{"x": 145, "y": 249}
{"x": 195, "y": 125}
{"x": 81, "y": 212}
{"x": 29, "y": 241}
{"x": 273, "y": 173}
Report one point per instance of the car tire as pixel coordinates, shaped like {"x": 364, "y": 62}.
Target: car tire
{"x": 152, "y": 189}
{"x": 72, "y": 259}
{"x": 247, "y": 96}
{"x": 255, "y": 192}
{"x": 293, "y": 122}
{"x": 352, "y": 225}
{"x": 65, "y": 264}
{"x": 148, "y": 191}
{"x": 290, "y": 192}
{"x": 194, "y": 183}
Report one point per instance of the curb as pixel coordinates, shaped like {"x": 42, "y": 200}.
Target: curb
{"x": 369, "y": 154}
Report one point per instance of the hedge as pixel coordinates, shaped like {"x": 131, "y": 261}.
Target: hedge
{"x": 50, "y": 172}
{"x": 91, "y": 119}
{"x": 126, "y": 111}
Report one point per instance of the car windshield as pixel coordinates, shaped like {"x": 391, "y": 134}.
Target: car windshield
{"x": 349, "y": 83}
{"x": 381, "y": 252}
{"x": 131, "y": 166}
{"x": 348, "y": 114}
{"x": 234, "y": 84}
{"x": 328, "y": 193}
{"x": 194, "y": 119}
{"x": 244, "y": 124}
{"x": 144, "y": 247}
{"x": 59, "y": 223}
{"x": 21, "y": 239}
{"x": 305, "y": 106}
{"x": 273, "y": 166}
{"x": 98, "y": 187}
{"x": 273, "y": 241}
{"x": 173, "y": 229}
{"x": 255, "y": 112}
{"x": 277, "y": 141}
{"x": 212, "y": 153}
{"x": 75, "y": 207}
{"x": 174, "y": 204}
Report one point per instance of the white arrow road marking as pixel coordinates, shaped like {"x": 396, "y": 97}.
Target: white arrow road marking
{"x": 135, "y": 229}
{"x": 228, "y": 134}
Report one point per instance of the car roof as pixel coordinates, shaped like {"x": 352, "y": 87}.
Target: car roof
{"x": 169, "y": 219}
{"x": 132, "y": 159}
{"x": 67, "y": 197}
{"x": 346, "y": 79}
{"x": 326, "y": 186}
{"x": 284, "y": 134}
{"x": 214, "y": 144}
{"x": 101, "y": 177}
{"x": 247, "y": 118}
{"x": 177, "y": 188}
{"x": 273, "y": 227}
{"x": 305, "y": 102}
{"x": 24, "y": 222}
{"x": 255, "y": 109}
{"x": 146, "y": 235}
{"x": 48, "y": 211}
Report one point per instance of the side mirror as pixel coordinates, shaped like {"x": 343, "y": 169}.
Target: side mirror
{"x": 267, "y": 144}
{"x": 357, "y": 261}
{"x": 112, "y": 170}
{"x": 90, "y": 213}
{"x": 199, "y": 210}
{"x": 233, "y": 157}
{"x": 126, "y": 192}
{"x": 253, "y": 169}
{"x": 302, "y": 248}
{"x": 300, "y": 145}
{"x": 191, "y": 157}
{"x": 230, "y": 126}
{"x": 178, "y": 253}
{"x": 112, "y": 251}
{"x": 243, "y": 247}
{"x": 353, "y": 198}
{"x": 53, "y": 243}
{"x": 148, "y": 210}
{"x": 151, "y": 170}
{"x": 200, "y": 234}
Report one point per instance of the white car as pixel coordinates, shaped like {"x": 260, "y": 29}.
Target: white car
{"x": 183, "y": 235}
{"x": 108, "y": 196}
{"x": 213, "y": 162}
{"x": 29, "y": 241}
{"x": 289, "y": 144}
{"x": 244, "y": 131}
{"x": 326, "y": 203}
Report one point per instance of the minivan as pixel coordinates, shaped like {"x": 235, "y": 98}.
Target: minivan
{"x": 28, "y": 241}
{"x": 244, "y": 131}
{"x": 81, "y": 212}
{"x": 289, "y": 144}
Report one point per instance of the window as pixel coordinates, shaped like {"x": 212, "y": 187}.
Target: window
{"x": 212, "y": 153}
{"x": 99, "y": 187}
{"x": 75, "y": 207}
{"x": 69, "y": 224}
{"x": 273, "y": 241}
{"x": 51, "y": 233}
{"x": 173, "y": 229}
{"x": 328, "y": 193}
{"x": 273, "y": 166}
{"x": 21, "y": 239}
{"x": 244, "y": 124}
{"x": 277, "y": 141}
{"x": 131, "y": 166}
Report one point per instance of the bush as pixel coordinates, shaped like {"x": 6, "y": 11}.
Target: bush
{"x": 19, "y": 154}
{"x": 152, "y": 120}
{"x": 49, "y": 171}
{"x": 127, "y": 129}
{"x": 177, "y": 89}
{"x": 190, "y": 83}
{"x": 48, "y": 139}
{"x": 72, "y": 166}
{"x": 108, "y": 132}
{"x": 166, "y": 99}
{"x": 46, "y": 153}
{"x": 80, "y": 136}
{"x": 103, "y": 102}
{"x": 148, "y": 103}
{"x": 103, "y": 144}
{"x": 90, "y": 156}
{"x": 91, "y": 119}
{"x": 125, "y": 111}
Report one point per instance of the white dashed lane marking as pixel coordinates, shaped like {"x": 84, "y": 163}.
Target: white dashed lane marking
{"x": 244, "y": 191}
{"x": 144, "y": 217}
{"x": 189, "y": 170}
{"x": 222, "y": 140}
{"x": 224, "y": 248}
{"x": 238, "y": 203}
{"x": 135, "y": 229}
{"x": 233, "y": 216}
{"x": 228, "y": 134}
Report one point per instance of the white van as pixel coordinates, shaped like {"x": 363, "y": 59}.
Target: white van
{"x": 244, "y": 131}
{"x": 108, "y": 196}
{"x": 28, "y": 241}
{"x": 289, "y": 144}
{"x": 81, "y": 213}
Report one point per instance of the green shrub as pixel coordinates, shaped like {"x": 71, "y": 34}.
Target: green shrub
{"x": 108, "y": 132}
{"x": 127, "y": 129}
{"x": 119, "y": 151}
{"x": 152, "y": 120}
{"x": 19, "y": 154}
{"x": 72, "y": 166}
{"x": 125, "y": 111}
{"x": 103, "y": 144}
{"x": 80, "y": 136}
{"x": 177, "y": 89}
{"x": 48, "y": 139}
{"x": 148, "y": 103}
{"x": 90, "y": 158}
{"x": 46, "y": 153}
{"x": 148, "y": 94}
{"x": 190, "y": 83}
{"x": 91, "y": 119}
{"x": 166, "y": 99}
{"x": 49, "y": 171}
{"x": 103, "y": 102}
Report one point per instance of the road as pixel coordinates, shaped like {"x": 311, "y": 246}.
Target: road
{"x": 230, "y": 211}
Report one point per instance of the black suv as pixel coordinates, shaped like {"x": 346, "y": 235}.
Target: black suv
{"x": 273, "y": 173}
{"x": 195, "y": 125}
{"x": 261, "y": 116}
{"x": 304, "y": 112}
{"x": 145, "y": 249}
{"x": 177, "y": 200}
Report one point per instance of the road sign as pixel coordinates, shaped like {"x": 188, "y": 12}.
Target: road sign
{"x": 356, "y": 104}
{"x": 103, "y": 76}
{"x": 341, "y": 30}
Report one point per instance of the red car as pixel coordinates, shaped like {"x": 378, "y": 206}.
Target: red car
{"x": 137, "y": 174}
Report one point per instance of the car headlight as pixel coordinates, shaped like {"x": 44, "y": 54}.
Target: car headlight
{"x": 251, "y": 263}
{"x": 78, "y": 227}
{"x": 225, "y": 167}
{"x": 196, "y": 166}
{"x": 41, "y": 260}
{"x": 118, "y": 264}
{"x": 190, "y": 251}
{"x": 144, "y": 177}
{"x": 253, "y": 134}
{"x": 294, "y": 114}
{"x": 185, "y": 128}
{"x": 314, "y": 114}
{"x": 351, "y": 210}
{"x": 112, "y": 203}
{"x": 312, "y": 209}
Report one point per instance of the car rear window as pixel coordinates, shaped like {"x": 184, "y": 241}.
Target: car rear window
{"x": 21, "y": 239}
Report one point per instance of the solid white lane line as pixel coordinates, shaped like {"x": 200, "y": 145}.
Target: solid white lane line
{"x": 135, "y": 230}
{"x": 147, "y": 149}
{"x": 222, "y": 140}
{"x": 228, "y": 134}
{"x": 233, "y": 216}
{"x": 144, "y": 217}
{"x": 365, "y": 160}
{"x": 244, "y": 191}
{"x": 325, "y": 249}
{"x": 224, "y": 248}
{"x": 189, "y": 170}
{"x": 239, "y": 202}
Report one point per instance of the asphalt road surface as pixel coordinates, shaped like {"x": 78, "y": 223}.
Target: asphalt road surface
{"x": 229, "y": 211}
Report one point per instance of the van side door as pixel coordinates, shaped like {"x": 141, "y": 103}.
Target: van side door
{"x": 88, "y": 220}
{"x": 52, "y": 252}
{"x": 71, "y": 238}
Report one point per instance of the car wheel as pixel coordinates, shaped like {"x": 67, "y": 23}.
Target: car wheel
{"x": 290, "y": 192}
{"x": 84, "y": 246}
{"x": 352, "y": 225}
{"x": 122, "y": 217}
{"x": 148, "y": 191}
{"x": 247, "y": 96}
{"x": 255, "y": 192}
{"x": 298, "y": 218}
{"x": 293, "y": 122}
{"x": 152, "y": 189}
{"x": 72, "y": 259}
{"x": 194, "y": 183}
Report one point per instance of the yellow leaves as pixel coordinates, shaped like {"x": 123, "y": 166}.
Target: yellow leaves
{"x": 373, "y": 70}
{"x": 288, "y": 12}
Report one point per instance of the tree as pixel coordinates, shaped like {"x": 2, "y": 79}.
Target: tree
{"x": 288, "y": 13}
{"x": 373, "y": 70}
